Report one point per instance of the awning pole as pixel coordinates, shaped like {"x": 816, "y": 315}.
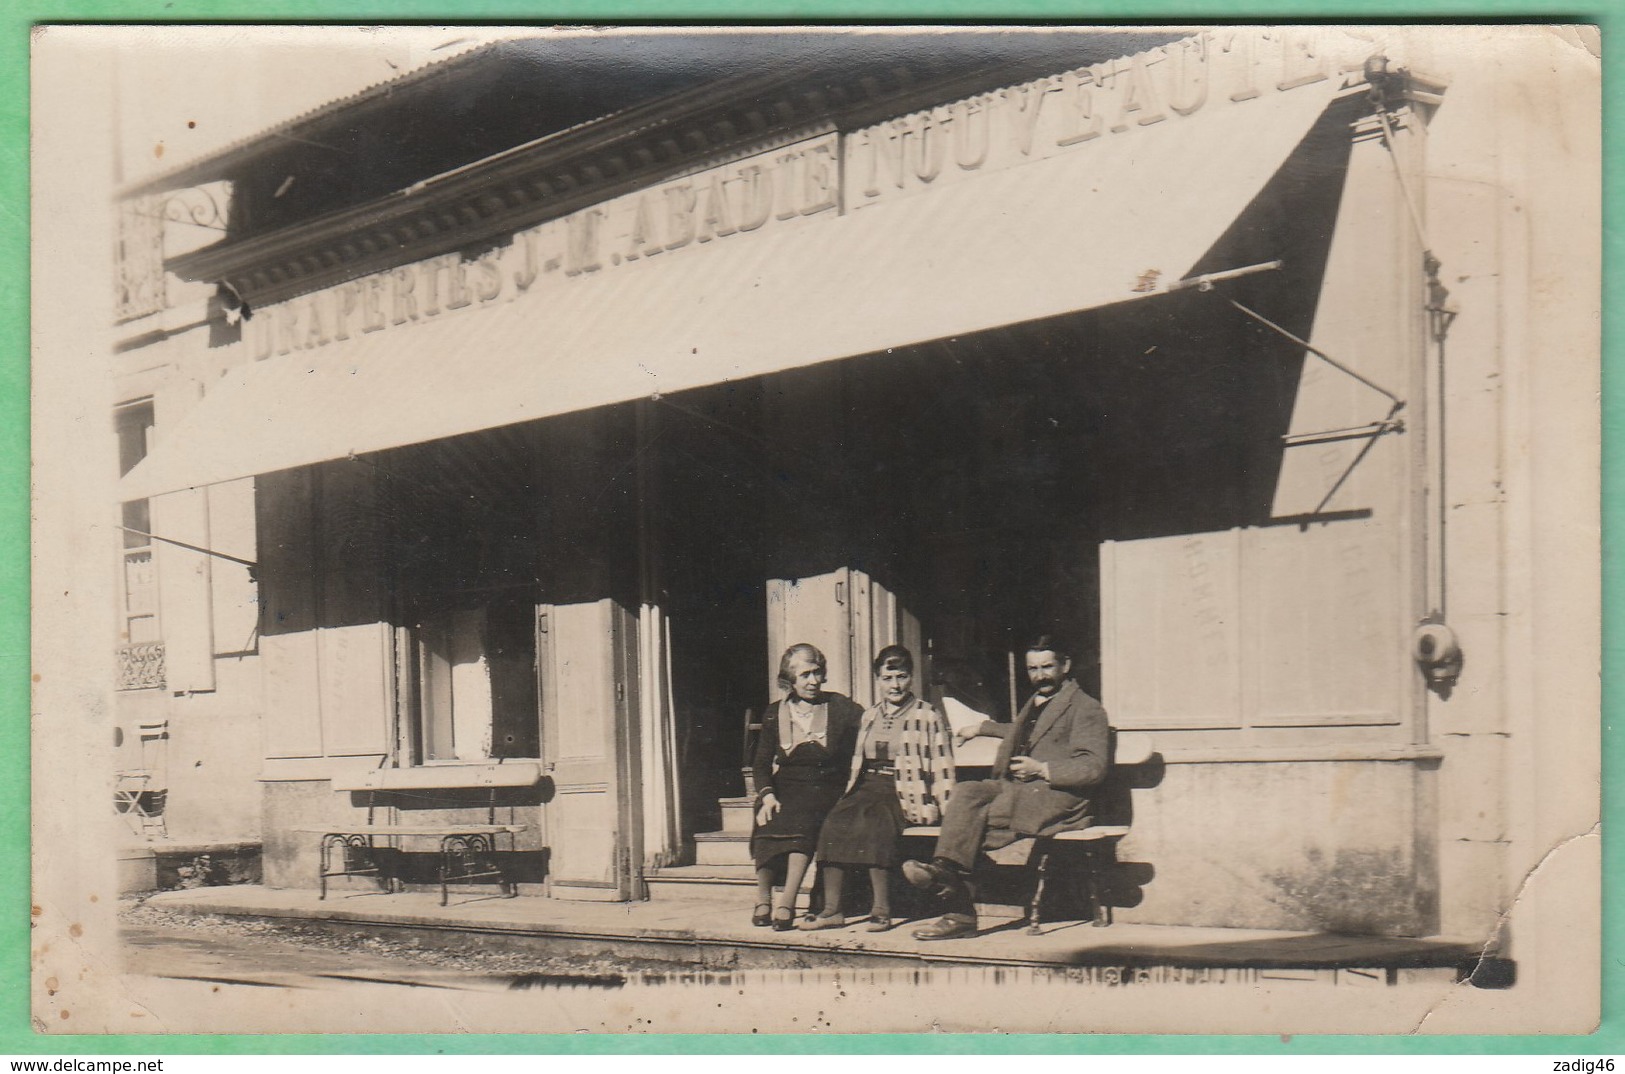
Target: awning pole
{"x": 1206, "y": 281}
{"x": 1318, "y": 353}
{"x": 189, "y": 547}
{"x": 1404, "y": 187}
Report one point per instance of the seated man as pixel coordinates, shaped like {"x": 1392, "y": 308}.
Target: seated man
{"x": 1051, "y": 755}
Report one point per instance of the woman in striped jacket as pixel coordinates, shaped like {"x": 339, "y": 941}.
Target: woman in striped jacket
{"x": 902, "y": 773}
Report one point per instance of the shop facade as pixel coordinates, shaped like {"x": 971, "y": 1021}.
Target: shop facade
{"x": 552, "y": 454}
{"x": 187, "y": 704}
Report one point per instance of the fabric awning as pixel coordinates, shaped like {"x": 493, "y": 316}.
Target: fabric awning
{"x": 1072, "y": 232}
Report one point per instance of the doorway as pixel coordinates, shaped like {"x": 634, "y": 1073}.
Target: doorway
{"x": 711, "y": 501}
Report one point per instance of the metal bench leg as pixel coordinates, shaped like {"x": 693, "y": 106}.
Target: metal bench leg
{"x": 356, "y": 854}
{"x": 465, "y": 858}
{"x": 1035, "y": 909}
{"x": 1102, "y": 914}
{"x": 510, "y": 888}
{"x": 328, "y": 842}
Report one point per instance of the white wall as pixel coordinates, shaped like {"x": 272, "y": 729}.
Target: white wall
{"x": 1513, "y": 213}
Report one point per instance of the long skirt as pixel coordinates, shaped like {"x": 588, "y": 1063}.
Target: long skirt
{"x": 865, "y": 825}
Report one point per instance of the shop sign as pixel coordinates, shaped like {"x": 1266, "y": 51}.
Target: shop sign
{"x": 1068, "y": 112}
{"x": 768, "y": 191}
{"x": 827, "y": 176}
{"x": 764, "y": 191}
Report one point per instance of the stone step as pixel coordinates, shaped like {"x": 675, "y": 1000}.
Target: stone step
{"x": 716, "y": 883}
{"x": 722, "y": 848}
{"x": 738, "y": 814}
{"x": 720, "y": 874}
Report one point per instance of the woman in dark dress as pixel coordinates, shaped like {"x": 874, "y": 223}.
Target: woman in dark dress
{"x": 902, "y": 773}
{"x": 801, "y": 764}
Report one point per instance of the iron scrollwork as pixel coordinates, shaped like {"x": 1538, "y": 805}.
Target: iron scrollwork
{"x": 141, "y": 666}
{"x": 468, "y": 856}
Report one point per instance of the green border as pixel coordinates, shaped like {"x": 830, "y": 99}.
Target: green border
{"x": 18, "y": 16}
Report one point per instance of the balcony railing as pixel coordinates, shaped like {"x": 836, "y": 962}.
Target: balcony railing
{"x": 157, "y": 226}
{"x": 139, "y": 259}
{"x": 141, "y": 666}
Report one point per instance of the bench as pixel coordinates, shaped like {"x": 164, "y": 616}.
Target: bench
{"x": 467, "y": 850}
{"x": 1083, "y": 851}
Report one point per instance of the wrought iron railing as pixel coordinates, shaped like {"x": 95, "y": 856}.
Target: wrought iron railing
{"x": 144, "y": 239}
{"x": 138, "y": 262}
{"x": 141, "y": 666}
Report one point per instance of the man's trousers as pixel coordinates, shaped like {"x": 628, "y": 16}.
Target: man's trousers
{"x": 978, "y": 817}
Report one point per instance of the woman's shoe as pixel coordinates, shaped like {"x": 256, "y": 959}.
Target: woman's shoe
{"x": 878, "y": 923}
{"x": 762, "y": 916}
{"x": 816, "y": 924}
{"x": 783, "y": 919}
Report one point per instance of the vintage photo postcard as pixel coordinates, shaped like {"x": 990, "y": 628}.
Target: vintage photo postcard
{"x": 830, "y": 529}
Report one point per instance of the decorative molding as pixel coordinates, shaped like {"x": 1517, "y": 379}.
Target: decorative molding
{"x": 481, "y": 205}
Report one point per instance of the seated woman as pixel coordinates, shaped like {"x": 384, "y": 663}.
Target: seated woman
{"x": 802, "y": 761}
{"x": 902, "y": 772}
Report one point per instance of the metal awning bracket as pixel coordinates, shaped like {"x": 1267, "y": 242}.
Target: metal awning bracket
{"x": 1357, "y": 432}
{"x": 250, "y": 564}
{"x": 1206, "y": 280}
{"x": 1398, "y": 403}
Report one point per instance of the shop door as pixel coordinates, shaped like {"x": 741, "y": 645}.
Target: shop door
{"x": 582, "y": 653}
{"x": 846, "y": 614}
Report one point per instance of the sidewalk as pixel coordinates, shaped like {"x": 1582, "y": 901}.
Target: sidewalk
{"x": 709, "y": 934}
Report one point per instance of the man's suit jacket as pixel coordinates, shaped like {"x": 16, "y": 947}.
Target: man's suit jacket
{"x": 1072, "y": 737}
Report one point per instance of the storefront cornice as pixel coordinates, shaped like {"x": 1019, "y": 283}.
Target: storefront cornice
{"x": 483, "y": 204}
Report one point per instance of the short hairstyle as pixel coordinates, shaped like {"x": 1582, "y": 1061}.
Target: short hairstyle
{"x": 894, "y": 656}
{"x": 1049, "y": 643}
{"x": 805, "y": 651}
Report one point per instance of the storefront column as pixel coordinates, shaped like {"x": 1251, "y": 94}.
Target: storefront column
{"x": 1423, "y": 523}
{"x": 661, "y": 789}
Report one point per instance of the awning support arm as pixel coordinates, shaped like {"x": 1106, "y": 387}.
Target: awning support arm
{"x": 1399, "y": 404}
{"x": 1371, "y": 433}
{"x": 1206, "y": 281}
{"x": 1331, "y": 436}
{"x": 1365, "y": 449}
{"x": 189, "y": 547}
{"x": 1440, "y": 312}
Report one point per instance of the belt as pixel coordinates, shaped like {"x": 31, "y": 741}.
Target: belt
{"x": 880, "y": 769}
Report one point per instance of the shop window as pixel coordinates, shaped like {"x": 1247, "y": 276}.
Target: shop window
{"x": 475, "y": 684}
